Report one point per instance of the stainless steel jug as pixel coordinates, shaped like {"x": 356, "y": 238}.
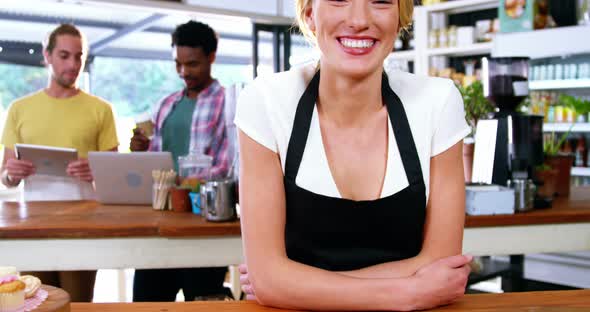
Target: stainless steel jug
{"x": 218, "y": 200}
{"x": 524, "y": 194}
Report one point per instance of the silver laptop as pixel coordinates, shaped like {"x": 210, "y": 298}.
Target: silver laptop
{"x": 126, "y": 178}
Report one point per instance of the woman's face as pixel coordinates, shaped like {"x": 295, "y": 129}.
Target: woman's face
{"x": 354, "y": 36}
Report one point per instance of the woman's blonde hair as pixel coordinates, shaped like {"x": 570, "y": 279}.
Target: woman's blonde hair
{"x": 406, "y": 9}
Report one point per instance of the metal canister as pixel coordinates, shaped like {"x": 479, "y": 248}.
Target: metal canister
{"x": 524, "y": 194}
{"x": 218, "y": 200}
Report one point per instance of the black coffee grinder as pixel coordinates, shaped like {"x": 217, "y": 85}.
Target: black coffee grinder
{"x": 519, "y": 136}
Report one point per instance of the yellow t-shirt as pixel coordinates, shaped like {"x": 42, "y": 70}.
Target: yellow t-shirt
{"x": 84, "y": 122}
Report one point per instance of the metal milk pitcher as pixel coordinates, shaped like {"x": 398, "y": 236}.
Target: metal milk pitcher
{"x": 218, "y": 200}
{"x": 524, "y": 194}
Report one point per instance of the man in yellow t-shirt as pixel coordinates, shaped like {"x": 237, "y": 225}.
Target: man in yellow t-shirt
{"x": 82, "y": 121}
{"x": 60, "y": 115}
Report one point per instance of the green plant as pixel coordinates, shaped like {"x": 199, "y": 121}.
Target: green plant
{"x": 579, "y": 105}
{"x": 475, "y": 104}
{"x": 543, "y": 167}
{"x": 551, "y": 146}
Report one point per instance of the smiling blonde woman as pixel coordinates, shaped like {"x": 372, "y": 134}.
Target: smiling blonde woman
{"x": 351, "y": 183}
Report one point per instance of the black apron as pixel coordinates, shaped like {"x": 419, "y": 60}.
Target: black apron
{"x": 339, "y": 234}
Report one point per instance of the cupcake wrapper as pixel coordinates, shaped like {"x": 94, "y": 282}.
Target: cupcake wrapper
{"x": 14, "y": 310}
{"x": 33, "y": 302}
{"x": 12, "y": 302}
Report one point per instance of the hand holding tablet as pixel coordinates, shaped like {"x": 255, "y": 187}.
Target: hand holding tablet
{"x": 47, "y": 160}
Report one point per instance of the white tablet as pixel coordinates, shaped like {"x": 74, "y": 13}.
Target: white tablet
{"x": 48, "y": 160}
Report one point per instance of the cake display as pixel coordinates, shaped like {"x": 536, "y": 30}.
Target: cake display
{"x": 26, "y": 293}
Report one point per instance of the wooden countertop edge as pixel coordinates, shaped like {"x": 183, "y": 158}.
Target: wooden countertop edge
{"x": 229, "y": 230}
{"x": 199, "y": 232}
{"x": 163, "y": 230}
{"x": 569, "y": 300}
{"x": 73, "y": 233}
{"x": 523, "y": 219}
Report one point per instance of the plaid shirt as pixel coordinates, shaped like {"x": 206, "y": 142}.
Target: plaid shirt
{"x": 208, "y": 130}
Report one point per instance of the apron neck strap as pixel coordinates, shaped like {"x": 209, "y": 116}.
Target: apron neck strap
{"x": 397, "y": 116}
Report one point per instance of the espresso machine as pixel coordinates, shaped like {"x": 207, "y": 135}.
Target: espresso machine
{"x": 519, "y": 136}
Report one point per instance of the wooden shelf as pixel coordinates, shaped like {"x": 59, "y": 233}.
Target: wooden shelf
{"x": 473, "y": 49}
{"x": 564, "y": 127}
{"x": 559, "y": 84}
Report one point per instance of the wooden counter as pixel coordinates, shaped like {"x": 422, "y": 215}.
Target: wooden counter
{"x": 89, "y": 235}
{"x": 562, "y": 301}
{"x": 89, "y": 219}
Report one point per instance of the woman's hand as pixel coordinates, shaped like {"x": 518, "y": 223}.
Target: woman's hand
{"x": 245, "y": 282}
{"x": 80, "y": 169}
{"x": 440, "y": 282}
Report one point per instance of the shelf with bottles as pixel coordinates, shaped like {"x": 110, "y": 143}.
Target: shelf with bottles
{"x": 459, "y": 35}
{"x": 455, "y": 29}
{"x": 562, "y": 112}
{"x": 560, "y": 73}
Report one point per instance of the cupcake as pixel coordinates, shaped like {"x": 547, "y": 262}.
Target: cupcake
{"x": 12, "y": 294}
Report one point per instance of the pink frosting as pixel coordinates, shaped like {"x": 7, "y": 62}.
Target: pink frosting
{"x": 8, "y": 279}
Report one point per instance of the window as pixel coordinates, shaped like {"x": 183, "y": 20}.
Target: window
{"x": 17, "y": 81}
{"x": 133, "y": 87}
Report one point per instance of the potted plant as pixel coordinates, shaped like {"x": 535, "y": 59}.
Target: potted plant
{"x": 558, "y": 166}
{"x": 554, "y": 173}
{"x": 476, "y": 107}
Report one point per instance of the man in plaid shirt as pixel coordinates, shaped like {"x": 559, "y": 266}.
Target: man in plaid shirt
{"x": 188, "y": 121}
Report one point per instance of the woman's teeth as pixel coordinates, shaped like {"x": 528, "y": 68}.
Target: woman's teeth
{"x": 351, "y": 43}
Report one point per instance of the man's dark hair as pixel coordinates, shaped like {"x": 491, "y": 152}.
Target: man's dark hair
{"x": 63, "y": 29}
{"x": 195, "y": 35}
